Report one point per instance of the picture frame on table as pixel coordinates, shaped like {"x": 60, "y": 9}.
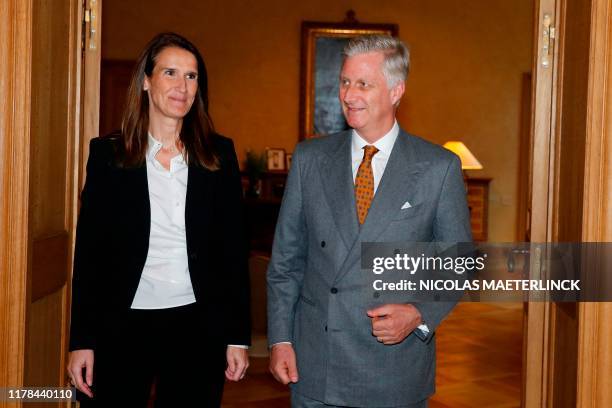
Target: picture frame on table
{"x": 276, "y": 159}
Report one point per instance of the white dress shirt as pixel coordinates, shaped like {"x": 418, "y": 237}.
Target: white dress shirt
{"x": 165, "y": 280}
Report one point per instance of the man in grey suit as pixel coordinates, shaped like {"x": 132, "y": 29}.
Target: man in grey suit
{"x": 331, "y": 334}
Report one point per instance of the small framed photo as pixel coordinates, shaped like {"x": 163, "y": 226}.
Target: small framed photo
{"x": 289, "y": 156}
{"x": 276, "y": 159}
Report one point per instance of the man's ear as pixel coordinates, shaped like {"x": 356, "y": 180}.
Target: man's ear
{"x": 397, "y": 92}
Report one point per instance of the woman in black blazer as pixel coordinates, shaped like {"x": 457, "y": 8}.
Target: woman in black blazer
{"x": 160, "y": 290}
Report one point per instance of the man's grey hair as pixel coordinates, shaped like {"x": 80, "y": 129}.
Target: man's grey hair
{"x": 397, "y": 57}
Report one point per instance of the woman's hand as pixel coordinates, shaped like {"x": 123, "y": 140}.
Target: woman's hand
{"x": 80, "y": 359}
{"x": 237, "y": 363}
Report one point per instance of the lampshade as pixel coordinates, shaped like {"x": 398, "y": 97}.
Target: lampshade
{"x": 468, "y": 161}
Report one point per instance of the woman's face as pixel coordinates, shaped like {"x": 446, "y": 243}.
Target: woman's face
{"x": 173, "y": 84}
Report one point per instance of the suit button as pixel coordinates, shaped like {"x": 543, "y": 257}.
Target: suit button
{"x": 376, "y": 294}
{"x": 325, "y": 327}
{"x": 334, "y": 290}
{"x": 322, "y": 244}
{"x": 193, "y": 256}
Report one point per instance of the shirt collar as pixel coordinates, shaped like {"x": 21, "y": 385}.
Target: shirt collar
{"x": 154, "y": 146}
{"x": 384, "y": 144}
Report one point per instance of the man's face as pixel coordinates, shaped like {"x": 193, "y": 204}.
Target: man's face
{"x": 367, "y": 102}
{"x": 173, "y": 84}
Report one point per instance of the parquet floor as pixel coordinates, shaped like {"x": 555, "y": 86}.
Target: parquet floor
{"x": 479, "y": 363}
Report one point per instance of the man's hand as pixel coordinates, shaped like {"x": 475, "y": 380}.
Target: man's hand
{"x": 237, "y": 363}
{"x": 392, "y": 323}
{"x": 282, "y": 363}
{"x": 80, "y": 359}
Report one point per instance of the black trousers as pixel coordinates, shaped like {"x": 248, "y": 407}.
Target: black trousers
{"x": 168, "y": 347}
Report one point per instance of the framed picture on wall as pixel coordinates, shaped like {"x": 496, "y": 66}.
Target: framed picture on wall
{"x": 322, "y": 44}
{"x": 276, "y": 159}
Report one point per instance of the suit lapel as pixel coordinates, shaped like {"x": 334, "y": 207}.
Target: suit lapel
{"x": 198, "y": 202}
{"x": 337, "y": 179}
{"x": 135, "y": 187}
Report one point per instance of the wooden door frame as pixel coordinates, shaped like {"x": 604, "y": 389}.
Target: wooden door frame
{"x": 15, "y": 79}
{"x": 74, "y": 153}
{"x": 537, "y": 314}
{"x": 595, "y": 319}
{"x": 594, "y": 386}
{"x": 90, "y": 98}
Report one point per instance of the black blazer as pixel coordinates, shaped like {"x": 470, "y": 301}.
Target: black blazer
{"x": 112, "y": 241}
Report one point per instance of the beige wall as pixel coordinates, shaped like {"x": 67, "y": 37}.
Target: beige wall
{"x": 465, "y": 81}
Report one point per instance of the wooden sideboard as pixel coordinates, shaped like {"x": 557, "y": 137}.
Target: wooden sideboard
{"x": 262, "y": 211}
{"x": 478, "y": 203}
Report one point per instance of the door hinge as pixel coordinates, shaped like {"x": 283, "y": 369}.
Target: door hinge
{"x": 548, "y": 35}
{"x": 90, "y": 25}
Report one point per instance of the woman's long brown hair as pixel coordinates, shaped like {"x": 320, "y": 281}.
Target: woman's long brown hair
{"x": 197, "y": 129}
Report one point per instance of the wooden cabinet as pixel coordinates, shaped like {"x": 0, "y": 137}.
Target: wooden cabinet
{"x": 478, "y": 202}
{"x": 262, "y": 211}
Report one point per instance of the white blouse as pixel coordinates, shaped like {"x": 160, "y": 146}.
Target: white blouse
{"x": 165, "y": 280}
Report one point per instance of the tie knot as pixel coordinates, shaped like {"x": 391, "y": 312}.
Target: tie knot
{"x": 368, "y": 152}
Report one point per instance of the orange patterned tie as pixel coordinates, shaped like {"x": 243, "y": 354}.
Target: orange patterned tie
{"x": 364, "y": 183}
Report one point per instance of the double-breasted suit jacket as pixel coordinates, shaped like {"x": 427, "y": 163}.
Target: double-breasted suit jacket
{"x": 317, "y": 293}
{"x": 112, "y": 242}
